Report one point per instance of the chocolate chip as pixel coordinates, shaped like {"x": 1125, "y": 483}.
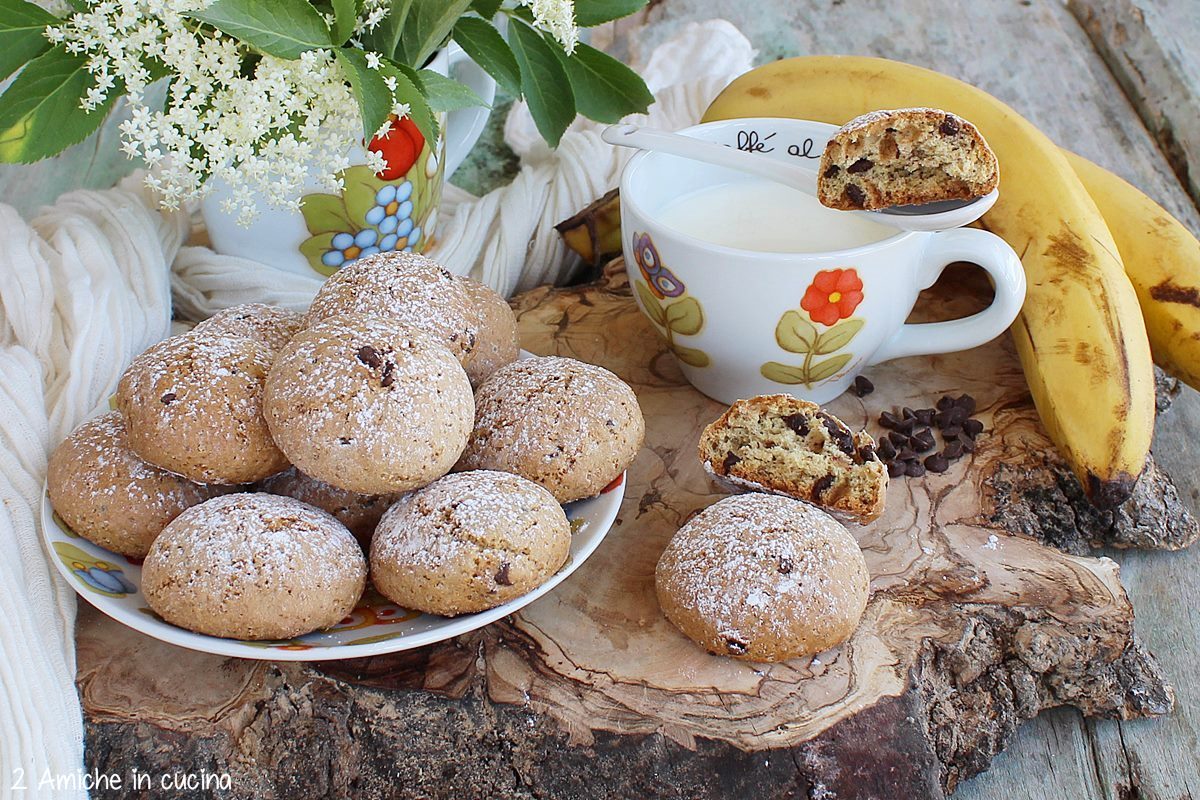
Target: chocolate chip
{"x": 949, "y": 418}
{"x": 907, "y": 454}
{"x": 785, "y": 565}
{"x": 866, "y": 453}
{"x": 922, "y": 440}
{"x": 447, "y": 274}
{"x": 862, "y": 387}
{"x": 731, "y": 458}
{"x": 898, "y": 439}
{"x": 951, "y": 431}
{"x": 937, "y": 463}
{"x": 838, "y": 434}
{"x": 369, "y": 356}
{"x": 798, "y": 423}
{"x": 856, "y": 196}
{"x": 924, "y": 416}
{"x": 907, "y": 426}
{"x": 908, "y": 413}
{"x": 945, "y": 402}
{"x": 735, "y": 647}
{"x": 887, "y": 450}
{"x": 953, "y": 450}
{"x": 502, "y": 577}
{"x": 950, "y": 125}
{"x": 966, "y": 403}
{"x": 168, "y": 398}
{"x": 862, "y": 165}
{"x": 888, "y": 420}
{"x": 834, "y": 169}
{"x": 972, "y": 427}
{"x": 344, "y": 440}
{"x": 387, "y": 378}
{"x": 896, "y": 469}
{"x": 915, "y": 469}
{"x": 968, "y": 444}
{"x": 821, "y": 486}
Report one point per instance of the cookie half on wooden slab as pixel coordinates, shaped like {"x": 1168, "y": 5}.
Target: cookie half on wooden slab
{"x": 902, "y": 157}
{"x": 778, "y": 443}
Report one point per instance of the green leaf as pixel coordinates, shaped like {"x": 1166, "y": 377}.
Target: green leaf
{"x": 428, "y": 26}
{"x": 373, "y": 96}
{"x": 408, "y": 91}
{"x": 589, "y": 13}
{"x": 22, "y": 34}
{"x": 486, "y": 8}
{"x": 313, "y": 248}
{"x": 358, "y": 195}
{"x": 838, "y": 336}
{"x": 40, "y": 114}
{"x": 487, "y": 48}
{"x": 345, "y": 14}
{"x": 605, "y": 89}
{"x": 685, "y": 316}
{"x": 650, "y": 303}
{"x": 544, "y": 82}
{"x": 447, "y": 94}
{"x": 691, "y": 356}
{"x": 782, "y": 373}
{"x": 325, "y": 213}
{"x": 385, "y": 37}
{"x": 827, "y": 368}
{"x": 282, "y": 28}
{"x": 795, "y": 333}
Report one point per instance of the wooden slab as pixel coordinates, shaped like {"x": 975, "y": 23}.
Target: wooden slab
{"x": 590, "y": 692}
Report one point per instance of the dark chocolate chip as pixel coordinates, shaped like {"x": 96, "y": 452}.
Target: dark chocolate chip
{"x": 838, "y": 434}
{"x": 937, "y": 463}
{"x": 907, "y": 454}
{"x": 735, "y": 647}
{"x": 968, "y": 444}
{"x": 866, "y": 453}
{"x": 502, "y": 577}
{"x": 387, "y": 378}
{"x": 966, "y": 403}
{"x": 949, "y": 418}
{"x": 862, "y": 387}
{"x": 821, "y": 486}
{"x": 972, "y": 427}
{"x": 344, "y": 440}
{"x": 798, "y": 423}
{"x": 951, "y": 431}
{"x": 862, "y": 165}
{"x": 897, "y": 438}
{"x": 915, "y": 469}
{"x": 447, "y": 274}
{"x": 908, "y": 413}
{"x": 888, "y": 420}
{"x": 856, "y": 196}
{"x": 924, "y": 416}
{"x": 731, "y": 458}
{"x": 785, "y": 565}
{"x": 369, "y": 356}
{"x": 168, "y": 398}
{"x": 953, "y": 450}
{"x": 950, "y": 125}
{"x": 896, "y": 468}
{"x": 834, "y": 169}
{"x": 922, "y": 440}
{"x": 887, "y": 450}
{"x": 945, "y": 402}
{"x": 907, "y": 426}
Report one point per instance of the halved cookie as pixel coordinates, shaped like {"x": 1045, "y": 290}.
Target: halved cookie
{"x": 777, "y": 443}
{"x": 905, "y": 156}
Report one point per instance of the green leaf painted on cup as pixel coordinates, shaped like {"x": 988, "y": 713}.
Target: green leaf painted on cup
{"x": 837, "y": 337}
{"x": 827, "y": 368}
{"x": 691, "y": 356}
{"x": 313, "y": 248}
{"x": 794, "y": 333}
{"x": 650, "y": 303}
{"x": 782, "y": 373}
{"x": 358, "y": 195}
{"x": 324, "y": 213}
{"x": 685, "y": 316}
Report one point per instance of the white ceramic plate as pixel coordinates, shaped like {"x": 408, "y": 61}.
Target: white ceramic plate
{"x": 112, "y": 583}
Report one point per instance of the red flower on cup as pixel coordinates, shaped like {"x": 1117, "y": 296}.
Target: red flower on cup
{"x": 833, "y": 295}
{"x": 399, "y": 147}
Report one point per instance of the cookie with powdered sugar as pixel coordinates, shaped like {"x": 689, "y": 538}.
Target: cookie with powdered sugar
{"x": 763, "y": 578}
{"x": 271, "y": 325}
{"x": 497, "y": 342}
{"x": 360, "y": 513}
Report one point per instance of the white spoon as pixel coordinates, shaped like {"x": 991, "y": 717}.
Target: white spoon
{"x": 927, "y": 217}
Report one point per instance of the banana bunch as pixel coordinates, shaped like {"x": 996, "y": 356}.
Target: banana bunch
{"x": 1109, "y": 279}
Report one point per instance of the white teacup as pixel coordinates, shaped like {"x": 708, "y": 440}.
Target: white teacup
{"x": 760, "y": 317}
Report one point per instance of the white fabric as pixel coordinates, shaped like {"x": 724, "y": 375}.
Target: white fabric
{"x": 86, "y": 285}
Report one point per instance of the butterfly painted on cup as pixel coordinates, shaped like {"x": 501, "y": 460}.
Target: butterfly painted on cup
{"x": 662, "y": 281}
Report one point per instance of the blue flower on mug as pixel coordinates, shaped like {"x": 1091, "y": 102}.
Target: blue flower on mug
{"x": 662, "y": 281}
{"x": 348, "y": 247}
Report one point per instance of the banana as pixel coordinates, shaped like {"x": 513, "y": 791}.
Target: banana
{"x": 1162, "y": 260}
{"x": 1080, "y": 335}
{"x": 595, "y": 232}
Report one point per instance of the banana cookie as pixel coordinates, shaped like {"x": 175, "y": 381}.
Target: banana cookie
{"x": 254, "y": 566}
{"x": 905, "y": 156}
{"x": 360, "y": 513}
{"x": 763, "y": 578}
{"x": 108, "y": 495}
{"x": 193, "y": 405}
{"x": 369, "y": 405}
{"x": 497, "y": 342}
{"x": 469, "y": 542}
{"x": 778, "y": 443}
{"x": 271, "y": 325}
{"x": 566, "y": 425}
{"x": 403, "y": 287}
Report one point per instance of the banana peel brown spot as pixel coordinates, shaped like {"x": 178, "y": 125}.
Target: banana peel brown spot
{"x": 1068, "y": 252}
{"x": 1111, "y": 492}
{"x": 759, "y": 91}
{"x": 1168, "y": 292}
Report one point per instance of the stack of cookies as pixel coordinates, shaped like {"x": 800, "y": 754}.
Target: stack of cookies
{"x": 247, "y": 456}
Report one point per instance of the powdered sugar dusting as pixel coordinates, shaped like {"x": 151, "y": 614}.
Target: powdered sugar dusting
{"x": 271, "y": 325}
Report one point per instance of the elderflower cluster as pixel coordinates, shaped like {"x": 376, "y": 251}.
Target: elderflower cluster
{"x": 558, "y": 18}
{"x": 263, "y": 125}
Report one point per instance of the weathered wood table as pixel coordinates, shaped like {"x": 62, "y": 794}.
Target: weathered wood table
{"x": 1115, "y": 81}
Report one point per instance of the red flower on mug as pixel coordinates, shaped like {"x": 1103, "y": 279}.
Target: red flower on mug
{"x": 833, "y": 295}
{"x": 399, "y": 147}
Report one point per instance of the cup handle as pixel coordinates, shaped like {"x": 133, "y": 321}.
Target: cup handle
{"x": 464, "y": 126}
{"x": 1003, "y": 266}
